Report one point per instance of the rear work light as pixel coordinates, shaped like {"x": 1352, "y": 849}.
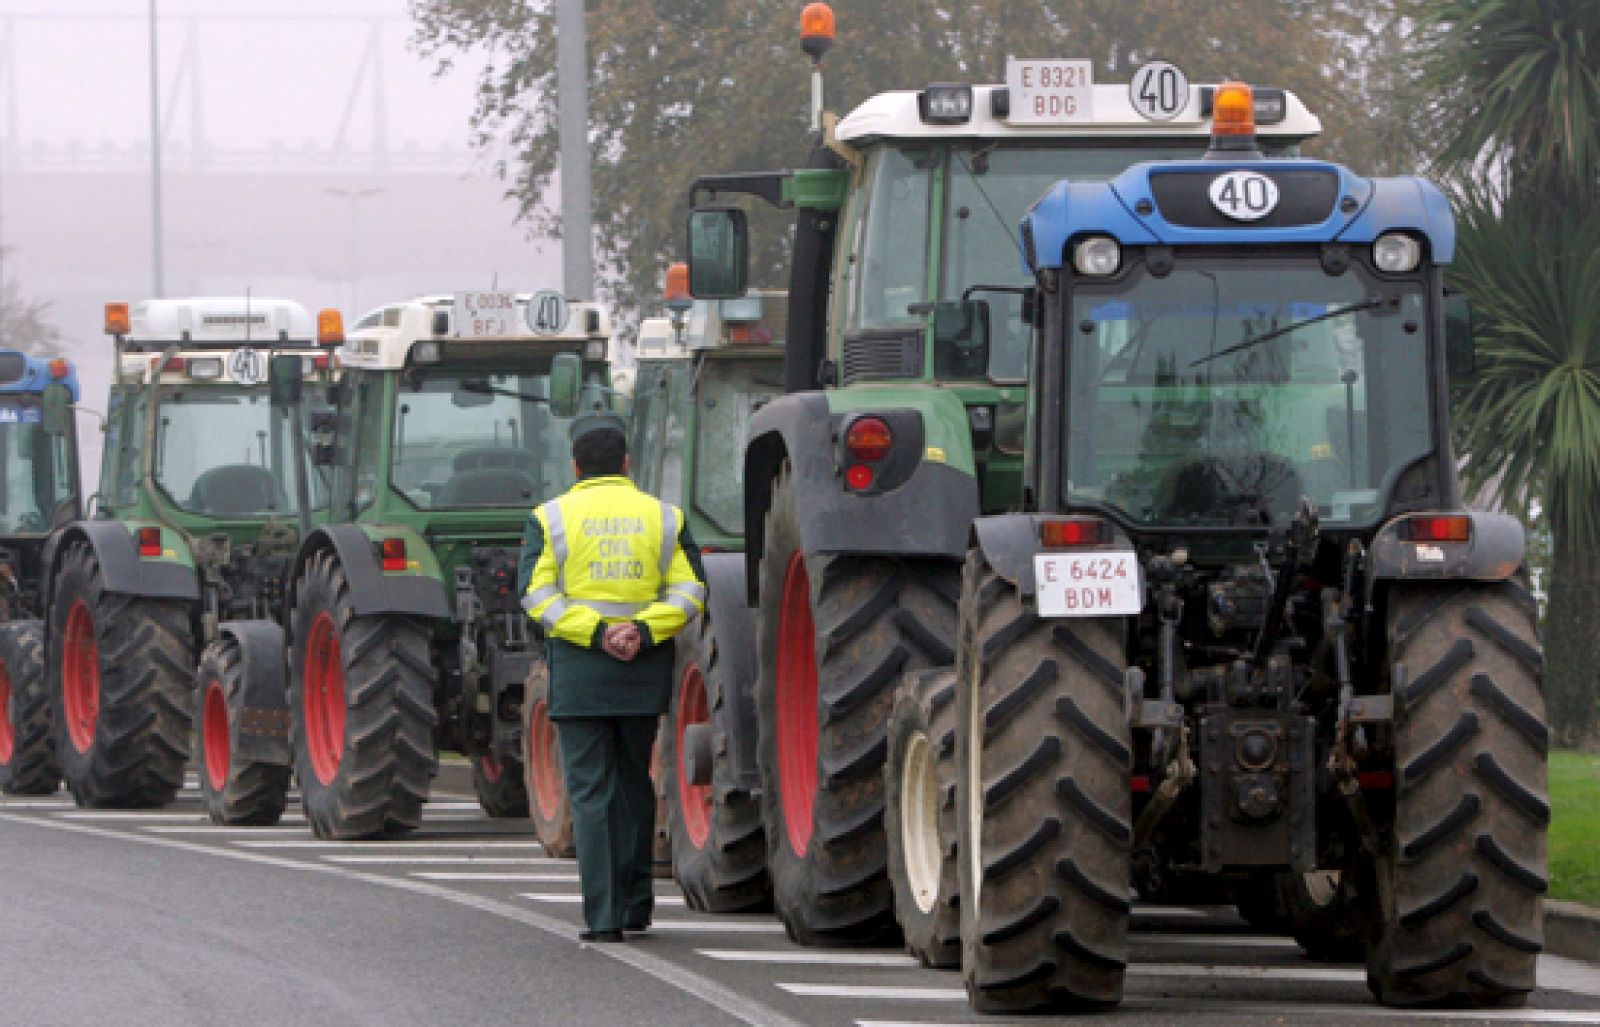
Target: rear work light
{"x": 149, "y": 541}
{"x": 205, "y": 367}
{"x": 1450, "y": 528}
{"x": 393, "y": 554}
{"x": 946, "y": 103}
{"x": 172, "y": 365}
{"x": 868, "y": 439}
{"x": 1070, "y": 534}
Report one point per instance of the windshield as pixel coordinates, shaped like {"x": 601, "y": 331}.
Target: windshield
{"x": 990, "y": 190}
{"x": 1220, "y": 395}
{"x": 35, "y": 474}
{"x": 731, "y": 391}
{"x": 479, "y": 440}
{"x": 227, "y": 452}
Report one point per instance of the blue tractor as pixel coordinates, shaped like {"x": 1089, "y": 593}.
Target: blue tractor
{"x": 39, "y": 491}
{"x": 1243, "y": 637}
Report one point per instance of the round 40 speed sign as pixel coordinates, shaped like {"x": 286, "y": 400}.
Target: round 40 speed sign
{"x": 1159, "y": 91}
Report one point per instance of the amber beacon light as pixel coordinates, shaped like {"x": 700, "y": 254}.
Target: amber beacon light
{"x": 1233, "y": 112}
{"x": 816, "y": 30}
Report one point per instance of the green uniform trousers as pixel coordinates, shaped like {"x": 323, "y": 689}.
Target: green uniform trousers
{"x": 606, "y": 763}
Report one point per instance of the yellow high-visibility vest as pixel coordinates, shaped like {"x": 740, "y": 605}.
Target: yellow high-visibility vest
{"x": 611, "y": 554}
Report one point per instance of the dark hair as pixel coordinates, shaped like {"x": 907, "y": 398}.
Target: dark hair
{"x": 599, "y": 452}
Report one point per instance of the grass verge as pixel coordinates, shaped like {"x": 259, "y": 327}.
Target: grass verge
{"x": 1575, "y": 827}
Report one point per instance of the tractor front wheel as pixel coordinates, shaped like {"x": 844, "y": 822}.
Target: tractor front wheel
{"x": 237, "y": 790}
{"x": 361, "y": 695}
{"x": 27, "y": 745}
{"x": 500, "y": 785}
{"x": 920, "y": 817}
{"x": 541, "y": 761}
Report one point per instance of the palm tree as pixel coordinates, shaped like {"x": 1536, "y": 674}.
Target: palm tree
{"x": 1514, "y": 93}
{"x": 1530, "y": 416}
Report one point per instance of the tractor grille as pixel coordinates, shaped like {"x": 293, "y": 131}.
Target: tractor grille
{"x": 881, "y": 355}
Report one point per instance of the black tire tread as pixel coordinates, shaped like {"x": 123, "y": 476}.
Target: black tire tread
{"x": 33, "y": 768}
{"x": 254, "y": 794}
{"x": 923, "y": 706}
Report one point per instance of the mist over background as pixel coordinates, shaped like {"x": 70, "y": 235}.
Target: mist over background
{"x": 308, "y": 153}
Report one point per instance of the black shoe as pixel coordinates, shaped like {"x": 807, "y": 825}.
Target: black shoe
{"x": 638, "y": 927}
{"x": 601, "y": 937}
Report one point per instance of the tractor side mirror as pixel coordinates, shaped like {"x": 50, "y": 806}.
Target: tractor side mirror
{"x": 1460, "y": 349}
{"x": 719, "y": 242}
{"x": 566, "y": 383}
{"x": 56, "y": 409}
{"x": 961, "y": 338}
{"x": 286, "y": 379}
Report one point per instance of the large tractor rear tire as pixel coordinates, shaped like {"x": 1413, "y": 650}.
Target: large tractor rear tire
{"x": 1044, "y": 807}
{"x": 920, "y": 817}
{"x": 719, "y": 846}
{"x": 836, "y": 632}
{"x": 361, "y": 695}
{"x": 1462, "y": 913}
{"x": 541, "y": 761}
{"x": 501, "y": 787}
{"x": 237, "y": 790}
{"x": 124, "y": 664}
{"x": 27, "y": 741}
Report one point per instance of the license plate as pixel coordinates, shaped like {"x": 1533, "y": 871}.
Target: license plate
{"x": 486, "y": 315}
{"x": 1088, "y": 584}
{"x": 1050, "y": 92}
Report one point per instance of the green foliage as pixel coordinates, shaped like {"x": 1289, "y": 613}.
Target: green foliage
{"x": 1574, "y": 826}
{"x": 1516, "y": 82}
{"x": 680, "y": 88}
{"x": 1530, "y": 416}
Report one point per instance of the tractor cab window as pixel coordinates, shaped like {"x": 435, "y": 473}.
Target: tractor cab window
{"x": 893, "y": 243}
{"x": 474, "y": 439}
{"x": 35, "y": 476}
{"x": 1222, "y": 393}
{"x": 730, "y": 393}
{"x": 226, "y": 452}
{"x": 990, "y": 189}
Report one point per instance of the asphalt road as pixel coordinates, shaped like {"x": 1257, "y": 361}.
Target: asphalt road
{"x": 110, "y": 917}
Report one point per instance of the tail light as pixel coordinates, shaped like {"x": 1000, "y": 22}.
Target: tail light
{"x": 173, "y": 365}
{"x": 1072, "y": 534}
{"x": 868, "y": 439}
{"x": 149, "y": 541}
{"x": 392, "y": 552}
{"x": 1450, "y": 528}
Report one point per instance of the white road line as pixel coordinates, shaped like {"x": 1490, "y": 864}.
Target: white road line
{"x": 809, "y": 957}
{"x": 1296, "y": 1013}
{"x": 35, "y": 802}
{"x": 1561, "y": 974}
{"x": 869, "y": 991}
{"x": 674, "y": 975}
{"x": 150, "y": 817}
{"x": 420, "y": 843}
{"x": 467, "y": 859}
{"x": 661, "y": 900}
{"x": 209, "y": 828}
{"x": 1246, "y": 973}
{"x": 1243, "y": 941}
{"x": 1182, "y": 911}
{"x": 729, "y": 925}
{"x": 448, "y": 875}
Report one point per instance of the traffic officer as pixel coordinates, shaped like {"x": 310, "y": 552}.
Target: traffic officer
{"x": 611, "y": 574}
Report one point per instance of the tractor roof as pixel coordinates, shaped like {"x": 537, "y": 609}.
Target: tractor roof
{"x": 236, "y": 320}
{"x": 383, "y": 338}
{"x": 24, "y": 375}
{"x": 898, "y": 115}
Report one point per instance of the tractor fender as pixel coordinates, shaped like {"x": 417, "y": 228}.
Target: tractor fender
{"x": 926, "y": 512}
{"x": 263, "y": 735}
{"x": 121, "y": 568}
{"x": 373, "y": 592}
{"x": 1494, "y": 552}
{"x": 734, "y": 621}
{"x": 1009, "y": 542}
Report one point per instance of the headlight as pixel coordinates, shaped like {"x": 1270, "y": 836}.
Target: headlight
{"x": 1097, "y": 255}
{"x": 1394, "y": 253}
{"x": 426, "y": 352}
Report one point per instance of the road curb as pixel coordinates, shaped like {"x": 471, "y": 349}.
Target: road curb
{"x": 1571, "y": 930}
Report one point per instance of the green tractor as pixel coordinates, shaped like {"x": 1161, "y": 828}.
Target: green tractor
{"x": 405, "y": 633}
{"x": 1244, "y": 635}
{"x": 905, "y": 419}
{"x": 192, "y": 527}
{"x": 38, "y": 492}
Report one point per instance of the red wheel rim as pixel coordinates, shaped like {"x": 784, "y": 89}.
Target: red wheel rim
{"x": 80, "y": 676}
{"x": 694, "y": 801}
{"x": 542, "y": 761}
{"x": 797, "y": 705}
{"x": 214, "y": 730}
{"x": 324, "y": 699}
{"x": 8, "y": 731}
{"x": 490, "y": 768}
